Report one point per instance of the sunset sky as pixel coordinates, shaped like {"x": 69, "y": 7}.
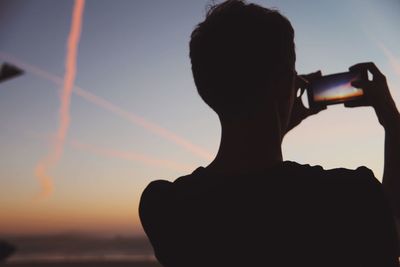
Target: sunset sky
{"x": 135, "y": 115}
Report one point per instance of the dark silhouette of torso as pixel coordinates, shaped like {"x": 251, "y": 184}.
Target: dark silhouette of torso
{"x": 286, "y": 215}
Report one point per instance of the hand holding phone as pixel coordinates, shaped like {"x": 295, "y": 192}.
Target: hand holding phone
{"x": 377, "y": 94}
{"x": 326, "y": 90}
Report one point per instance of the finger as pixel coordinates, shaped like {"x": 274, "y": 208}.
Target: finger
{"x": 312, "y": 76}
{"x": 354, "y": 104}
{"x": 361, "y": 84}
{"x": 370, "y": 66}
{"x": 301, "y": 82}
{"x": 351, "y": 105}
{"x": 302, "y": 90}
{"x": 317, "y": 110}
{"x": 358, "y": 66}
{"x": 299, "y": 92}
{"x": 360, "y": 102}
{"x": 313, "y": 110}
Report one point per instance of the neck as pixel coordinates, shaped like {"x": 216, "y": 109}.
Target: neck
{"x": 248, "y": 146}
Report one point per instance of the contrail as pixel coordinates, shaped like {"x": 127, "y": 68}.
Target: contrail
{"x": 32, "y": 69}
{"x": 394, "y": 62}
{"x": 107, "y": 105}
{"x": 131, "y": 156}
{"x": 55, "y": 154}
{"x": 150, "y": 126}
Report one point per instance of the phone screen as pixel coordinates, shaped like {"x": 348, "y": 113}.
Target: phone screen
{"x": 336, "y": 88}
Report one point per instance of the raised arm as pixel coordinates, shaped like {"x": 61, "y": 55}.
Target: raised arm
{"x": 378, "y": 96}
{"x": 391, "y": 175}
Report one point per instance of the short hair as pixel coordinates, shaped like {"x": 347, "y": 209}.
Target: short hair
{"x": 238, "y": 49}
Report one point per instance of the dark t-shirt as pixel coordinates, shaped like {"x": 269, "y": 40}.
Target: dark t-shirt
{"x": 286, "y": 215}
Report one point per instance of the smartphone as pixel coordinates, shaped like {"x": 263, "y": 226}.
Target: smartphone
{"x": 335, "y": 89}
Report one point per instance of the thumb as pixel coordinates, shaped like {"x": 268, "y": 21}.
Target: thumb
{"x": 317, "y": 110}
{"x": 350, "y": 105}
{"x": 312, "y": 76}
{"x": 360, "y": 84}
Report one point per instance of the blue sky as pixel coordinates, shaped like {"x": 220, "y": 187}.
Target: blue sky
{"x": 134, "y": 54}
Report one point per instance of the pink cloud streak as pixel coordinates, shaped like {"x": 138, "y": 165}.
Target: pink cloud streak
{"x": 54, "y": 156}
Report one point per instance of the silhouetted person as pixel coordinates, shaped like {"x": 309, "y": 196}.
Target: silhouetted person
{"x": 6, "y": 250}
{"x": 248, "y": 207}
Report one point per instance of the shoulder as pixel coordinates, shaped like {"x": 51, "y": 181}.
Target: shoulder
{"x": 158, "y": 192}
{"x": 361, "y": 174}
{"x": 160, "y": 195}
{"x": 153, "y": 204}
{"x": 156, "y": 187}
{"x": 155, "y": 191}
{"x": 361, "y": 178}
{"x": 358, "y": 184}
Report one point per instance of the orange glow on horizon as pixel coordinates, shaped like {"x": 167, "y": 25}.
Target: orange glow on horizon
{"x": 103, "y": 217}
{"x": 42, "y": 168}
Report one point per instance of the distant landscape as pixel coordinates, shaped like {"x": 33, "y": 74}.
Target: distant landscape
{"x": 73, "y": 249}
